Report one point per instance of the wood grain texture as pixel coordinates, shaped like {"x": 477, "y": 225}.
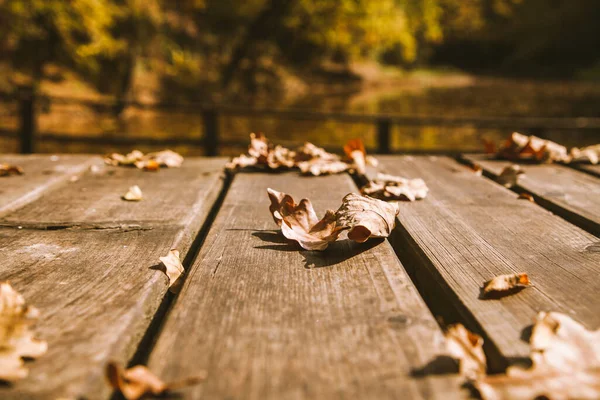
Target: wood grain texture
{"x": 42, "y": 174}
{"x": 268, "y": 320}
{"x": 94, "y": 278}
{"x": 470, "y": 229}
{"x": 572, "y": 194}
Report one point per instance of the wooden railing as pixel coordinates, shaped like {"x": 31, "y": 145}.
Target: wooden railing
{"x": 211, "y": 113}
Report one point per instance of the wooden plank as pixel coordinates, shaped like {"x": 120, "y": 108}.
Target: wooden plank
{"x": 94, "y": 277}
{"x": 42, "y": 173}
{"x": 269, "y": 321}
{"x": 470, "y": 229}
{"x": 589, "y": 168}
{"x": 572, "y": 194}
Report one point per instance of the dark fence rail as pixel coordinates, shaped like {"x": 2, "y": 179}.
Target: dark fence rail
{"x": 210, "y": 114}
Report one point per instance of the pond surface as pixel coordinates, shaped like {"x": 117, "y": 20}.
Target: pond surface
{"x": 456, "y": 96}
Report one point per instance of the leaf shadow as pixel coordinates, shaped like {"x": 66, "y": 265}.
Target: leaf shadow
{"x": 499, "y": 295}
{"x": 440, "y": 365}
{"x": 337, "y": 252}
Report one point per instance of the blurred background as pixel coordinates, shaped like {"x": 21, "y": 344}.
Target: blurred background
{"x": 199, "y": 75}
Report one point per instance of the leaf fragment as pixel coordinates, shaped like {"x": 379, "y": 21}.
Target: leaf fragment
{"x": 355, "y": 150}
{"x": 389, "y": 187}
{"x": 133, "y": 194}
{"x": 16, "y": 340}
{"x": 526, "y": 196}
{"x": 506, "y": 283}
{"x": 174, "y": 269}
{"x": 510, "y": 175}
{"x": 467, "y": 347}
{"x": 137, "y": 382}
{"x": 318, "y": 167}
{"x": 8, "y": 169}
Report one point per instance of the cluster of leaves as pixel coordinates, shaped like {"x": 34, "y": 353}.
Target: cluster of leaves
{"x": 146, "y": 162}
{"x": 520, "y": 147}
{"x": 8, "y": 169}
{"x": 565, "y": 357}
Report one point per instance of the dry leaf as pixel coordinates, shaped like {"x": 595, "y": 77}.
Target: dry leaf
{"x": 174, "y": 268}
{"x": 366, "y": 217}
{"x": 526, "y": 196}
{"x": 519, "y": 147}
{"x": 506, "y": 283}
{"x": 7, "y": 169}
{"x": 355, "y": 150}
{"x": 148, "y": 162}
{"x": 566, "y": 364}
{"x": 318, "y": 167}
{"x": 389, "y": 187}
{"x": 299, "y": 222}
{"x": 133, "y": 194}
{"x": 589, "y": 154}
{"x": 467, "y": 347}
{"x": 136, "y": 382}
{"x": 510, "y": 175}
{"x": 309, "y": 152}
{"x": 477, "y": 170}
{"x": 16, "y": 340}
{"x": 262, "y": 153}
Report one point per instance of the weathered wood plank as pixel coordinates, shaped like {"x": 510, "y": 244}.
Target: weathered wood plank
{"x": 93, "y": 280}
{"x": 269, "y": 321}
{"x": 42, "y": 173}
{"x": 588, "y": 168}
{"x": 572, "y": 194}
{"x": 470, "y": 229}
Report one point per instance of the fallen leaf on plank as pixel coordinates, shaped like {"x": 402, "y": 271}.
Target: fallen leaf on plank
{"x": 510, "y": 175}
{"x": 148, "y": 165}
{"x": 389, "y": 187}
{"x": 366, "y": 217}
{"x": 467, "y": 348}
{"x": 589, "y": 154}
{"x": 16, "y": 340}
{"x": 505, "y": 284}
{"x": 174, "y": 269}
{"x": 318, "y": 167}
{"x": 120, "y": 159}
{"x": 133, "y": 194}
{"x": 477, "y": 170}
{"x": 262, "y": 153}
{"x": 166, "y": 158}
{"x": 148, "y": 162}
{"x": 566, "y": 364}
{"x": 137, "y": 382}
{"x": 299, "y": 222}
{"x": 522, "y": 147}
{"x": 7, "y": 169}
{"x": 355, "y": 151}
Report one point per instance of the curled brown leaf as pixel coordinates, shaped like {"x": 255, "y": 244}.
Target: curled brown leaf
{"x": 522, "y": 147}
{"x": 590, "y": 154}
{"x": 355, "y": 151}
{"x": 366, "y": 217}
{"x": 510, "y": 175}
{"x": 133, "y": 194}
{"x": 173, "y": 268}
{"x": 16, "y": 339}
{"x": 7, "y": 169}
{"x": 506, "y": 283}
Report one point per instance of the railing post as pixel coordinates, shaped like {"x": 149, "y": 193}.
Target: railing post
{"x": 27, "y": 119}
{"x": 383, "y": 135}
{"x": 211, "y": 132}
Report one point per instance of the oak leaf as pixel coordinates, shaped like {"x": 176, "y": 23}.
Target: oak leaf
{"x": 173, "y": 268}
{"x": 389, "y": 187}
{"x": 137, "y": 382}
{"x": 7, "y": 169}
{"x": 506, "y": 283}
{"x": 16, "y": 340}
{"x": 133, "y": 194}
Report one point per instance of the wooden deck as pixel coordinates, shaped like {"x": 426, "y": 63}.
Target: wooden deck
{"x": 266, "y": 319}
